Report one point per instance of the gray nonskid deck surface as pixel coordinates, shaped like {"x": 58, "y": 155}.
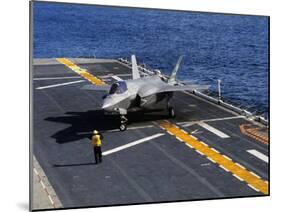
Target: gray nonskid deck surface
{"x": 162, "y": 169}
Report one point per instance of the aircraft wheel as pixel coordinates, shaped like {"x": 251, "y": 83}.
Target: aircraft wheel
{"x": 123, "y": 127}
{"x": 171, "y": 112}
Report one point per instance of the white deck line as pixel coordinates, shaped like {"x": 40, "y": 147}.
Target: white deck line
{"x": 110, "y": 75}
{"x": 213, "y": 130}
{"x": 223, "y": 168}
{"x": 258, "y": 155}
{"x": 56, "y": 78}
{"x": 179, "y": 139}
{"x": 255, "y": 174}
{"x": 188, "y": 123}
{"x": 252, "y": 187}
{"x": 60, "y": 84}
{"x": 225, "y": 118}
{"x": 139, "y": 127}
{"x": 237, "y": 177}
{"x": 193, "y": 137}
{"x": 227, "y": 157}
{"x": 117, "y": 78}
{"x": 117, "y": 149}
{"x": 199, "y": 152}
{"x": 242, "y": 167}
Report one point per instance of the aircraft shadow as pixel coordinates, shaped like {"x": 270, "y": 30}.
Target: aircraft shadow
{"x": 83, "y": 123}
{"x": 75, "y": 164}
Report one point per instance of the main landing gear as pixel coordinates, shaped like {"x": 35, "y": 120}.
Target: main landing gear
{"x": 123, "y": 123}
{"x": 171, "y": 110}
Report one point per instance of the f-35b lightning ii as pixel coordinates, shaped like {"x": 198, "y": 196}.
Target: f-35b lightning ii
{"x": 141, "y": 92}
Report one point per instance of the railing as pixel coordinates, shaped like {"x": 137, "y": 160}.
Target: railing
{"x": 207, "y": 97}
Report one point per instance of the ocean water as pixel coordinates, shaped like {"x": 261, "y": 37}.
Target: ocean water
{"x": 232, "y": 48}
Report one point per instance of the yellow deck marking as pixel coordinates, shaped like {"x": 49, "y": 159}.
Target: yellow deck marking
{"x": 228, "y": 164}
{"x": 82, "y": 72}
{"x": 252, "y": 180}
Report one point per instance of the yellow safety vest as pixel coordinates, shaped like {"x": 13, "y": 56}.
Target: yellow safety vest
{"x": 96, "y": 141}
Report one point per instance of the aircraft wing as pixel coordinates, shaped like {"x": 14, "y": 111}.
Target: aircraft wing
{"x": 92, "y": 87}
{"x": 147, "y": 91}
{"x": 171, "y": 88}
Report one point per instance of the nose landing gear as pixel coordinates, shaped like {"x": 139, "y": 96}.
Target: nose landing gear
{"x": 123, "y": 123}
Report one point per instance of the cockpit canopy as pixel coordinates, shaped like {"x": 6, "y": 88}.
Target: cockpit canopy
{"x": 118, "y": 87}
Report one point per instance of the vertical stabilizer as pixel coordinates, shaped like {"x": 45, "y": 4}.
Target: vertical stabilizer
{"x": 172, "y": 79}
{"x": 135, "y": 70}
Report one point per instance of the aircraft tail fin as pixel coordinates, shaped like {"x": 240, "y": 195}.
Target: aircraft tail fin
{"x": 135, "y": 70}
{"x": 172, "y": 79}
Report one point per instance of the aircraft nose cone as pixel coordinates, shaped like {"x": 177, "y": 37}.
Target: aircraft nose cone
{"x": 106, "y": 105}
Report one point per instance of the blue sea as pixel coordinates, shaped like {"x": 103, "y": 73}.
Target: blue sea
{"x": 232, "y": 48}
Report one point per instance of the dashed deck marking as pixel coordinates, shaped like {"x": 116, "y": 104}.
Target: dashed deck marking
{"x": 215, "y": 150}
{"x": 47, "y": 188}
{"x": 223, "y": 168}
{"x": 218, "y": 158}
{"x": 241, "y": 166}
{"x": 194, "y": 137}
{"x": 213, "y": 130}
{"x": 187, "y": 144}
{"x": 205, "y": 144}
{"x": 60, "y": 84}
{"x": 258, "y": 155}
{"x": 252, "y": 180}
{"x": 238, "y": 177}
{"x": 82, "y": 72}
{"x": 227, "y": 157}
{"x": 117, "y": 149}
{"x": 179, "y": 139}
{"x": 211, "y": 159}
{"x": 253, "y": 187}
{"x": 258, "y": 176}
{"x": 199, "y": 152}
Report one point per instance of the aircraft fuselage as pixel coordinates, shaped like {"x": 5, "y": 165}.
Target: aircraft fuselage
{"x": 140, "y": 93}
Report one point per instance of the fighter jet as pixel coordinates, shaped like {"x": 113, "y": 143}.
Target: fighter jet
{"x": 140, "y": 93}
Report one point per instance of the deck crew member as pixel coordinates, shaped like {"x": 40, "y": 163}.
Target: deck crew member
{"x": 96, "y": 142}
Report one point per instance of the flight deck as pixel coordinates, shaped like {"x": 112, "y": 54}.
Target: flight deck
{"x": 207, "y": 151}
